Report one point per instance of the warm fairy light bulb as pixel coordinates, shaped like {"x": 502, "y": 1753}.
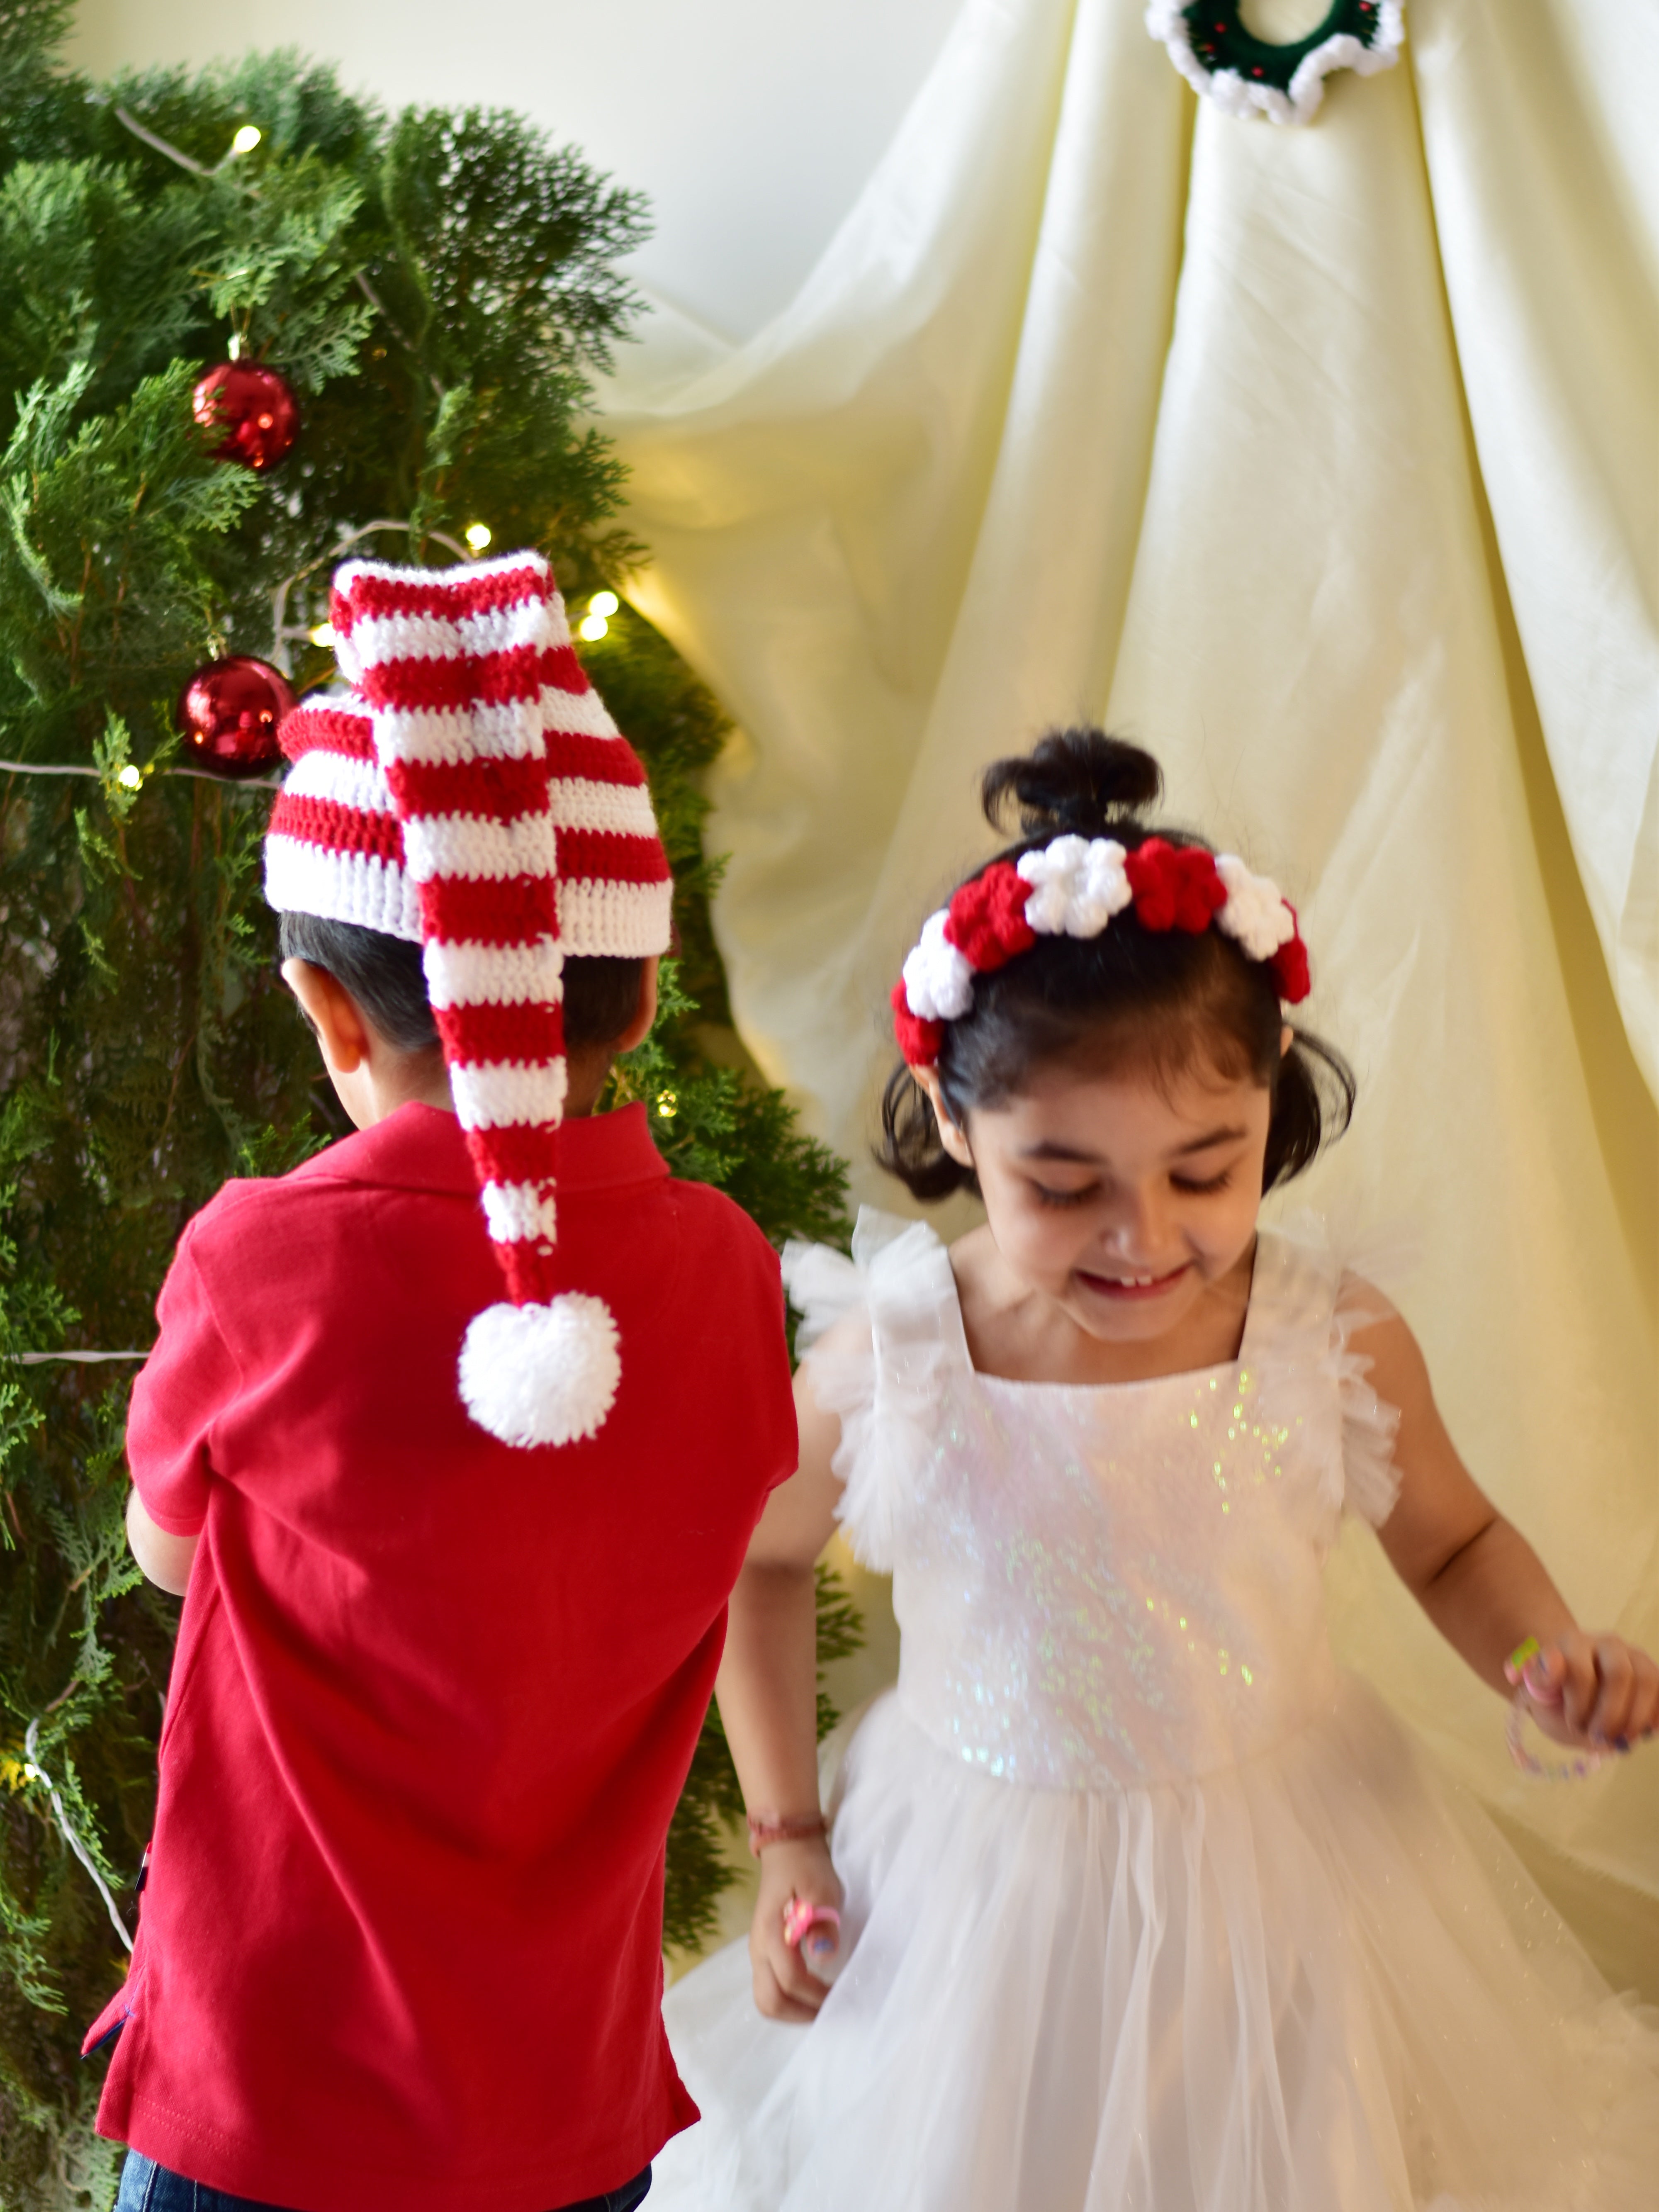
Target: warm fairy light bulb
{"x": 130, "y": 778}
{"x": 323, "y": 634}
{"x": 478, "y": 536}
{"x": 246, "y": 138}
{"x": 594, "y": 626}
{"x": 668, "y": 1105}
{"x": 604, "y": 603}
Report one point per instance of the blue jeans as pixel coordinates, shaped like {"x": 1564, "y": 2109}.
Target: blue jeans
{"x": 147, "y": 2187}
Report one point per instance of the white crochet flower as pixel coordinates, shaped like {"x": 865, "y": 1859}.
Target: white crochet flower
{"x": 1078, "y": 885}
{"x": 1255, "y": 914}
{"x": 937, "y": 980}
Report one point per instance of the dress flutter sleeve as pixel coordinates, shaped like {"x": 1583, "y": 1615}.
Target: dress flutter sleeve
{"x": 881, "y": 1379}
{"x": 1369, "y": 1424}
{"x": 1316, "y": 1298}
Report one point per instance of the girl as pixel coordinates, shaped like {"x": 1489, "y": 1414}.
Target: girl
{"x": 1143, "y": 1907}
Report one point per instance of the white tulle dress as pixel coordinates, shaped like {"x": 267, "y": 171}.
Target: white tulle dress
{"x": 1150, "y": 1909}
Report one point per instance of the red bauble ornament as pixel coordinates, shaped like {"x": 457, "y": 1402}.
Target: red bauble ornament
{"x": 255, "y": 408}
{"x": 229, "y": 713}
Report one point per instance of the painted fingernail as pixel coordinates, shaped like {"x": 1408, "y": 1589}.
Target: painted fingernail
{"x": 1621, "y": 1743}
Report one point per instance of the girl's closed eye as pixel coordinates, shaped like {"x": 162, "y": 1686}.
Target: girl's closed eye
{"x": 1049, "y": 1197}
{"x": 1199, "y": 1186}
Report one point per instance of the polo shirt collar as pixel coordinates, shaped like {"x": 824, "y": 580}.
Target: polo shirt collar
{"x": 422, "y": 1148}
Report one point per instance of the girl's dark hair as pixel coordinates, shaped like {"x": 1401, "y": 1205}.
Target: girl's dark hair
{"x": 385, "y": 976}
{"x": 1130, "y": 999}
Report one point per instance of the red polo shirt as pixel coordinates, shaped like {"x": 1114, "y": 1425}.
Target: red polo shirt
{"x": 434, "y": 1698}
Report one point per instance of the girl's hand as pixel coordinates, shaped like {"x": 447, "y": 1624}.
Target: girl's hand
{"x": 1591, "y": 1690}
{"x": 785, "y": 1986}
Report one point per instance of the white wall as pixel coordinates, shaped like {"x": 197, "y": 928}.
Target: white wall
{"x": 751, "y": 123}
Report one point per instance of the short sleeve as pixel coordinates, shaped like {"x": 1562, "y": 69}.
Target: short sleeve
{"x": 772, "y": 1409}
{"x": 188, "y": 1380}
{"x": 883, "y": 1382}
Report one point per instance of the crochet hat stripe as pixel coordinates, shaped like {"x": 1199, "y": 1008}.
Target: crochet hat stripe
{"x": 621, "y": 809}
{"x": 510, "y": 1152}
{"x": 317, "y": 722}
{"x": 498, "y": 730}
{"x": 379, "y": 640}
{"x": 489, "y": 910}
{"x": 499, "y": 1030}
{"x": 497, "y": 788}
{"x": 509, "y": 1093}
{"x": 342, "y": 778}
{"x": 339, "y": 829}
{"x": 571, "y": 709}
{"x": 342, "y": 886}
{"x": 472, "y": 845}
{"x": 493, "y": 974}
{"x": 630, "y": 921}
{"x": 515, "y": 677}
{"x": 520, "y": 1213}
{"x": 588, "y": 756}
{"x": 594, "y": 854}
{"x": 380, "y": 588}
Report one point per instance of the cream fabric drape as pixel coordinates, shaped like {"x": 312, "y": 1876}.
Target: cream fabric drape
{"x": 1322, "y": 462}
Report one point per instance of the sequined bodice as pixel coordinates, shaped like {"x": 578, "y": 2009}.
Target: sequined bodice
{"x": 1103, "y": 1587}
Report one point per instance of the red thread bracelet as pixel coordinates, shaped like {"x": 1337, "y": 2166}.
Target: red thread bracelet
{"x": 786, "y": 1829}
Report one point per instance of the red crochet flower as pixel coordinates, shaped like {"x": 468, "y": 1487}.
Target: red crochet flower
{"x": 1290, "y": 967}
{"x": 1175, "y": 887}
{"x": 987, "y": 924}
{"x": 918, "y": 1040}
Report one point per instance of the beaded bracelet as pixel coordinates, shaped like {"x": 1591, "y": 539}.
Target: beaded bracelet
{"x": 1545, "y": 1770}
{"x": 787, "y": 1828}
{"x": 1515, "y": 1730}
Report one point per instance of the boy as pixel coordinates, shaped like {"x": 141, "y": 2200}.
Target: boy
{"x": 448, "y": 1632}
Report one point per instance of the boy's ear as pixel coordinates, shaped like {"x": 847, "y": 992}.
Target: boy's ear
{"x": 334, "y": 1015}
{"x": 645, "y": 1010}
{"x": 954, "y": 1140}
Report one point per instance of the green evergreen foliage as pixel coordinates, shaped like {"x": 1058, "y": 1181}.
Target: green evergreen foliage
{"x": 438, "y": 288}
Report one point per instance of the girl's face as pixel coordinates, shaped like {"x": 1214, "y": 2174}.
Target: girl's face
{"x": 1122, "y": 1199}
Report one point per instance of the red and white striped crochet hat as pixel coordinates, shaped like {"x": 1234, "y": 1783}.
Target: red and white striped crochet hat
{"x": 471, "y": 795}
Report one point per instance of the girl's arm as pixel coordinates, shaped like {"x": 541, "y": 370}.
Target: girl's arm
{"x": 767, "y": 1692}
{"x": 1477, "y": 1578}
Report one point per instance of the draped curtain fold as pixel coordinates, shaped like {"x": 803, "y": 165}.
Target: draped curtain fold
{"x": 1323, "y": 462}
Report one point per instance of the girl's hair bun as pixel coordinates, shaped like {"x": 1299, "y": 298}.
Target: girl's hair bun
{"x": 1077, "y": 782}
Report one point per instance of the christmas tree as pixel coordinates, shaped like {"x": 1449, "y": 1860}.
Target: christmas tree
{"x": 433, "y": 290}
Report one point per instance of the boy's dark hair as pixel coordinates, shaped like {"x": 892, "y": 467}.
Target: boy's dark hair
{"x": 384, "y": 975}
{"x": 1130, "y": 999}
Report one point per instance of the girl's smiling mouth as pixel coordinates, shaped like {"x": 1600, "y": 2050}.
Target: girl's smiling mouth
{"x": 1132, "y": 1286}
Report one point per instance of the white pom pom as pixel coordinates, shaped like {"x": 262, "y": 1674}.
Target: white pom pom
{"x": 541, "y": 1375}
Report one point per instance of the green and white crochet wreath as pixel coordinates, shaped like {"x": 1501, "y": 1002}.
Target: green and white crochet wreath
{"x": 1244, "y": 74}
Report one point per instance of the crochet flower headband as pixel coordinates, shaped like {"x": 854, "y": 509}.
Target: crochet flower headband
{"x": 1073, "y": 888}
